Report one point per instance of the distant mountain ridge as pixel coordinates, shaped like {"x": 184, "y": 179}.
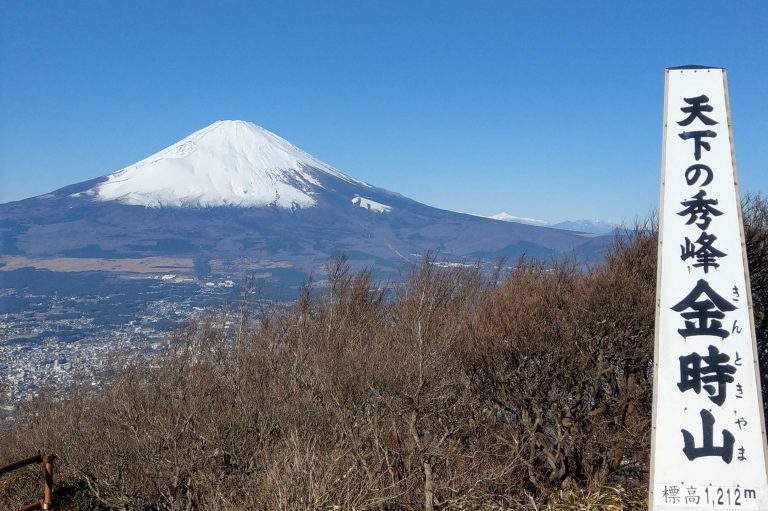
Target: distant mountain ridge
{"x": 593, "y": 226}
{"x": 590, "y": 226}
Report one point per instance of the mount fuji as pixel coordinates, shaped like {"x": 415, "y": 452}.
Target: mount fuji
{"x": 235, "y": 199}
{"x": 229, "y": 163}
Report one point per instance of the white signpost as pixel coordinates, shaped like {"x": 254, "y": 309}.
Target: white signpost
{"x": 708, "y": 447}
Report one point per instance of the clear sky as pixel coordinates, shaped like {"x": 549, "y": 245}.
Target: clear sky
{"x": 550, "y": 110}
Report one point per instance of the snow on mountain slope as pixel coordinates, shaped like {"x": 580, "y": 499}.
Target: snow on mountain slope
{"x": 371, "y": 205}
{"x": 592, "y": 226}
{"x": 506, "y": 217}
{"x": 229, "y": 163}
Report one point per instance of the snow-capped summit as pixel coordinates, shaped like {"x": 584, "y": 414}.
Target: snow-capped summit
{"x": 229, "y": 163}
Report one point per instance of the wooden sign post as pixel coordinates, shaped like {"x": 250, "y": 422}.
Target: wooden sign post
{"x": 708, "y": 449}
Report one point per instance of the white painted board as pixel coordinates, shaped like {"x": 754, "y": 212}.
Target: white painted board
{"x": 708, "y": 446}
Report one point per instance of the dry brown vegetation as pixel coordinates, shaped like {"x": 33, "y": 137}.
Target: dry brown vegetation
{"x": 526, "y": 389}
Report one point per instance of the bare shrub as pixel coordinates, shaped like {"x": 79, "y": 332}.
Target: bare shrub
{"x": 755, "y": 213}
{"x": 563, "y": 358}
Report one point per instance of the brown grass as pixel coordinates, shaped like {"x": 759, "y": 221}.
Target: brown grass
{"x": 70, "y": 264}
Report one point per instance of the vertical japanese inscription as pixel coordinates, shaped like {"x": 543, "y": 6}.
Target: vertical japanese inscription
{"x": 703, "y": 310}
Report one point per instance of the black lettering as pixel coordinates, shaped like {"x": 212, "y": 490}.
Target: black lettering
{"x": 706, "y": 255}
{"x": 706, "y": 313}
{"x": 700, "y": 209}
{"x": 714, "y": 373}
{"x": 696, "y": 111}
{"x": 708, "y": 447}
{"x": 693, "y": 173}
{"x": 697, "y": 140}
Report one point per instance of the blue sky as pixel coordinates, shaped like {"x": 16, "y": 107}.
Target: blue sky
{"x": 549, "y": 110}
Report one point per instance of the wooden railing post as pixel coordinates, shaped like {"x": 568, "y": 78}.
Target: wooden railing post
{"x": 48, "y": 468}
